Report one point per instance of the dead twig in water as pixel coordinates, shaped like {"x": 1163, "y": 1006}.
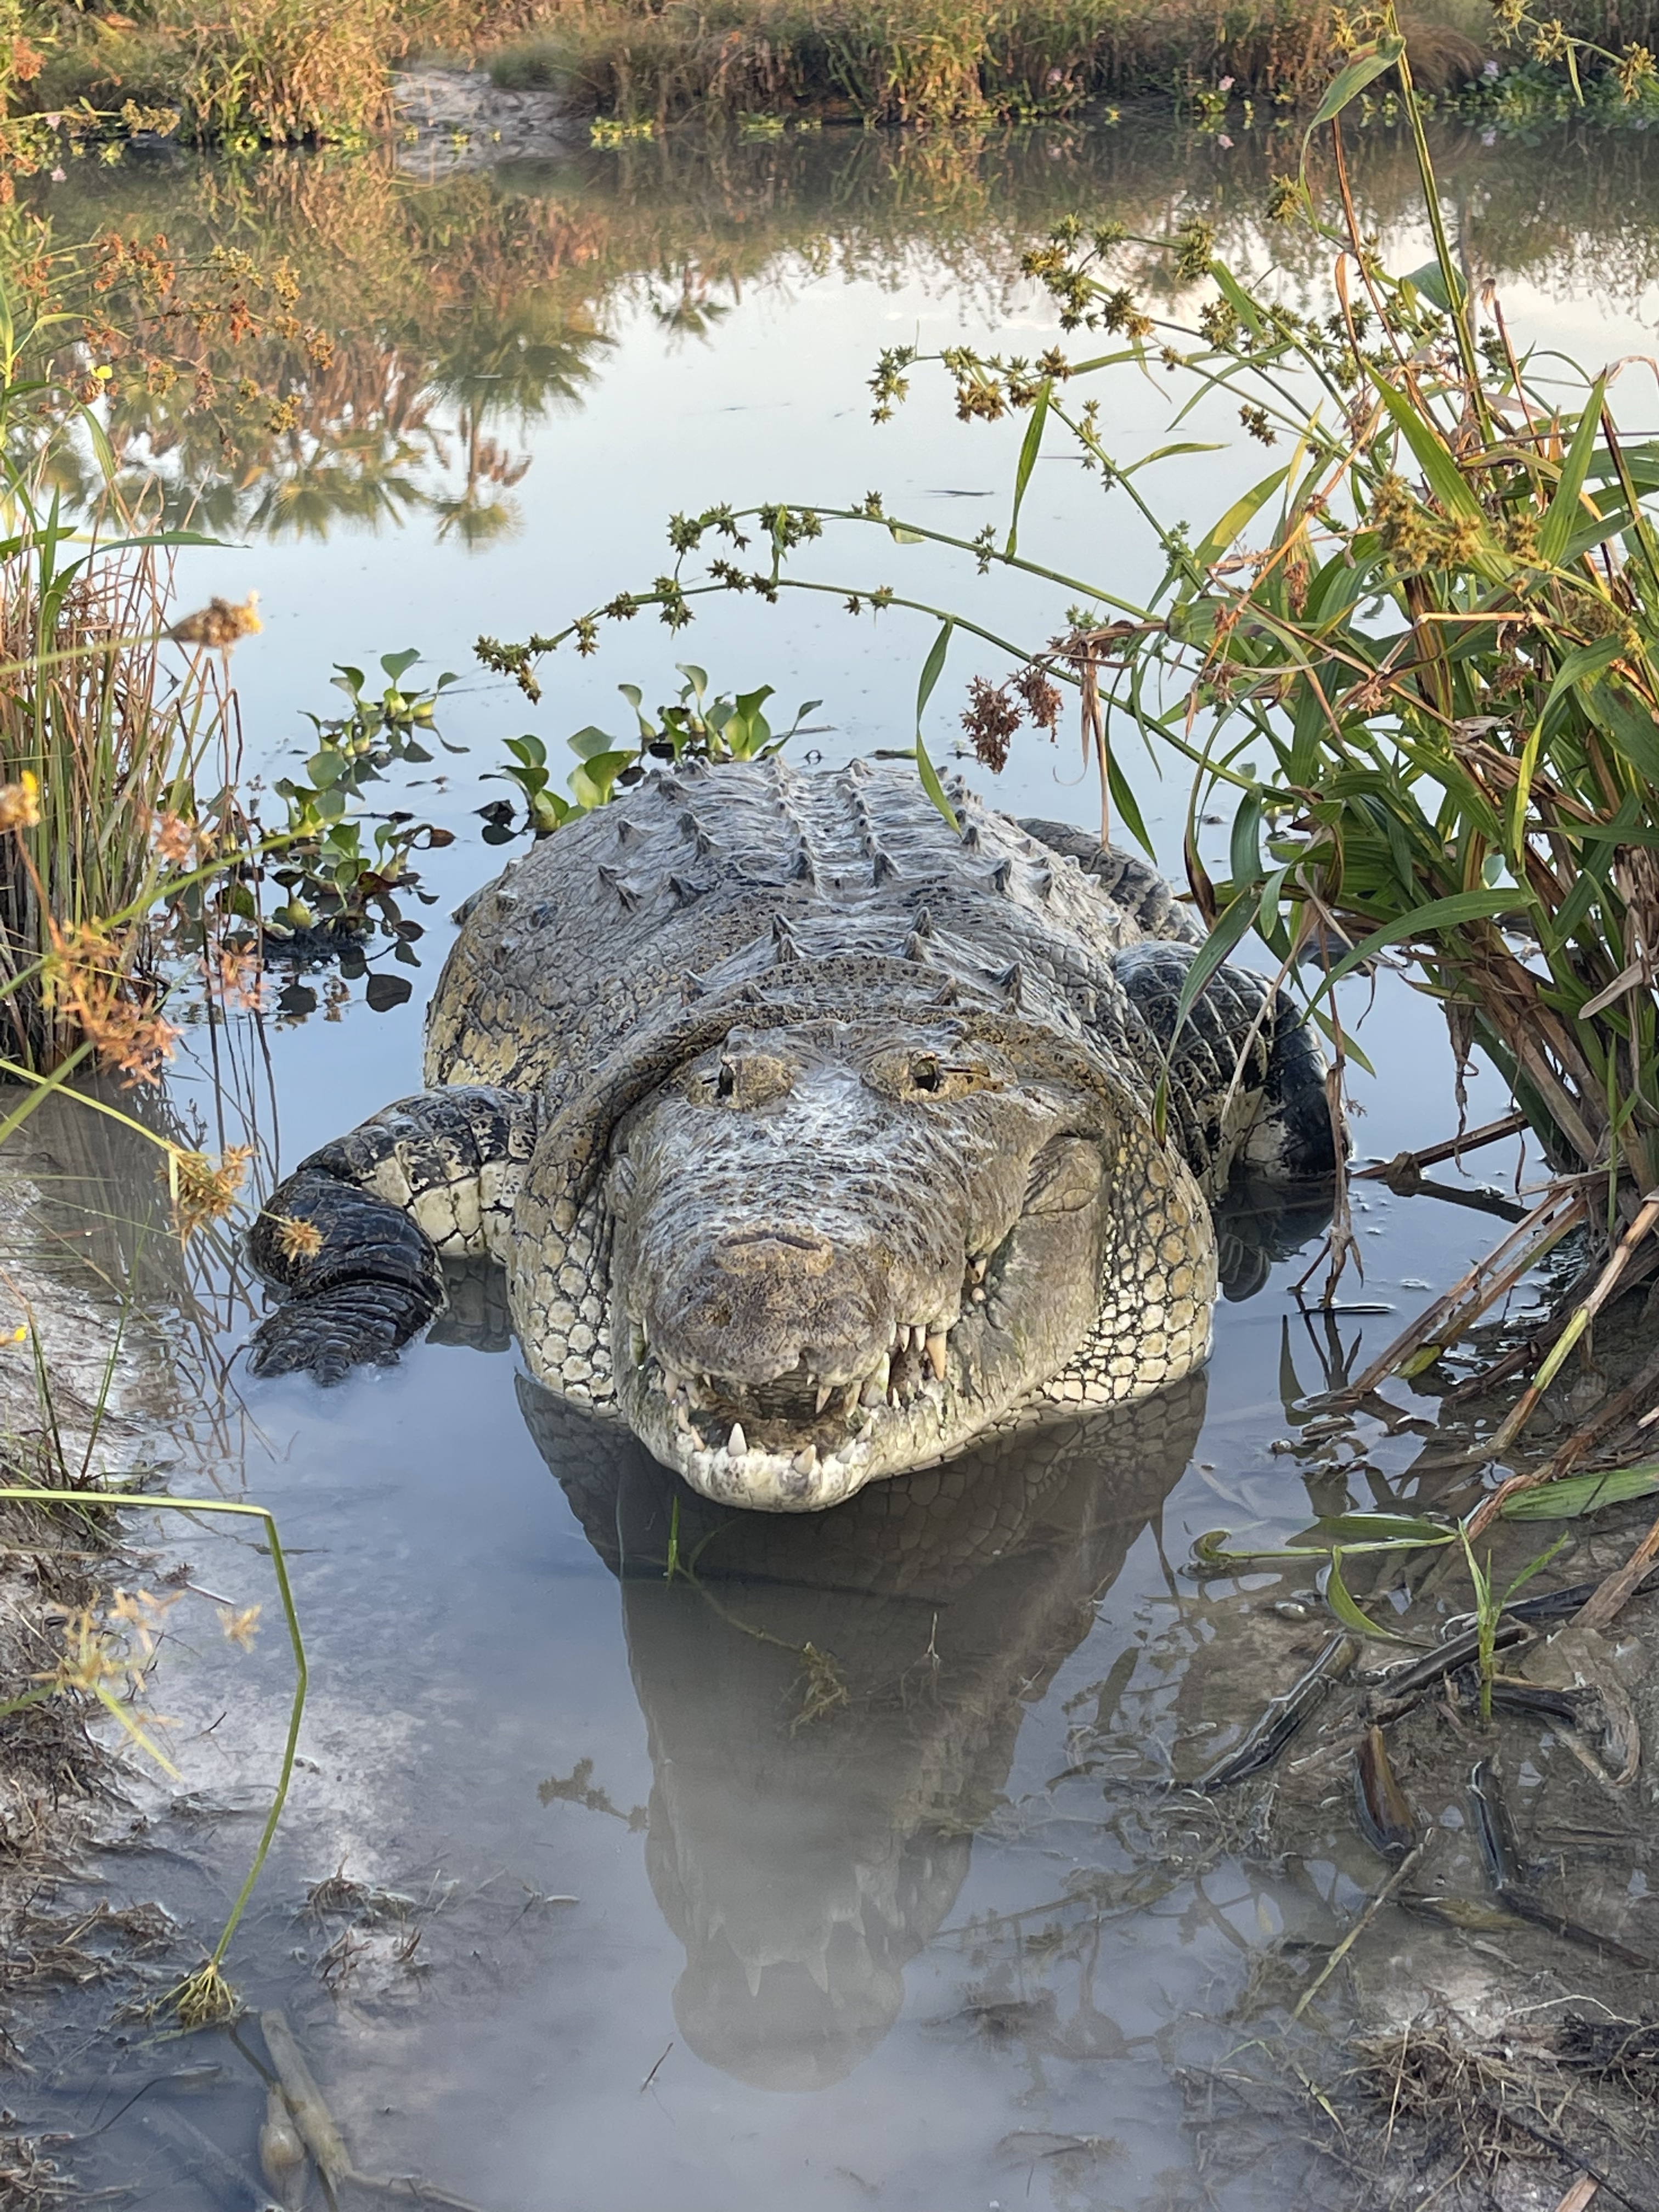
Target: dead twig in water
{"x": 322, "y": 2136}
{"x": 1407, "y": 1866}
{"x": 1611, "y": 1597}
{"x": 1452, "y": 1313}
{"x": 651, "y": 2075}
{"x": 1405, "y": 1167}
{"x": 1606, "y": 1283}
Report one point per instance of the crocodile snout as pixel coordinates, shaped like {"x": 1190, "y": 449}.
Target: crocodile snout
{"x": 755, "y": 1304}
{"x": 778, "y": 1251}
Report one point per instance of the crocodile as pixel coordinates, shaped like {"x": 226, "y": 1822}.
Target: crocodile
{"x": 819, "y": 1134}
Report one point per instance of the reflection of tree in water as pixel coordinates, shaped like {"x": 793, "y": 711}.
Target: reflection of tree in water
{"x": 683, "y": 305}
{"x": 429, "y": 329}
{"x": 434, "y": 324}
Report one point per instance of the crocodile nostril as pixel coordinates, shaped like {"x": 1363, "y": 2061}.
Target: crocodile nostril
{"x": 792, "y": 1251}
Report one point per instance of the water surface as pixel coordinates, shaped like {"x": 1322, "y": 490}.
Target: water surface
{"x": 841, "y": 1876}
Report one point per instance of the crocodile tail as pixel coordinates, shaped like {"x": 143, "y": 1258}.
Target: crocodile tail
{"x": 1294, "y": 1135}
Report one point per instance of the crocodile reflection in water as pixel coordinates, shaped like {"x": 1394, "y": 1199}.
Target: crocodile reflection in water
{"x": 833, "y": 1704}
{"x": 804, "y": 1857}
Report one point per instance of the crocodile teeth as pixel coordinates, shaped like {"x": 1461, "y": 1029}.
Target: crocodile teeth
{"x": 672, "y": 1384}
{"x": 873, "y": 1393}
{"x": 850, "y": 1397}
{"x": 682, "y": 1419}
{"x": 939, "y": 1345}
{"x": 805, "y": 1462}
{"x": 737, "y": 1443}
{"x": 918, "y": 1336}
{"x": 823, "y": 1398}
{"x": 976, "y": 1269}
{"x": 979, "y": 1294}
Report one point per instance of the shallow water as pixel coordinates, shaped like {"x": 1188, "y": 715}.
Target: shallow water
{"x": 694, "y": 1915}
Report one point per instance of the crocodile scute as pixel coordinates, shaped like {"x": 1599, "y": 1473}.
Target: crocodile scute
{"x": 817, "y": 1137}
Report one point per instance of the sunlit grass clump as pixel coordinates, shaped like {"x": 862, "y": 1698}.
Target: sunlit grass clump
{"x": 910, "y": 61}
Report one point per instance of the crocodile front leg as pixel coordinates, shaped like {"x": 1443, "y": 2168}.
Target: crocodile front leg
{"x": 355, "y": 1235}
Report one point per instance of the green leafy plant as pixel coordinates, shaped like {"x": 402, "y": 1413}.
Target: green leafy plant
{"x": 731, "y": 727}
{"x": 1489, "y": 1611}
{"x": 339, "y": 873}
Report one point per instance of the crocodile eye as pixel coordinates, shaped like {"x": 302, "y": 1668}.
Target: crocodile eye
{"x": 927, "y": 1075}
{"x": 741, "y": 1080}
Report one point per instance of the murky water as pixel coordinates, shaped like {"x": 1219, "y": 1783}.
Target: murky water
{"x": 840, "y": 1877}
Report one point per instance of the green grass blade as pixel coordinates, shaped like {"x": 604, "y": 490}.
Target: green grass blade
{"x": 1573, "y": 1495}
{"x": 1563, "y": 517}
{"x": 1030, "y": 446}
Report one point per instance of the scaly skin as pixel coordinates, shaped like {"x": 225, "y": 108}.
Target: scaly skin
{"x": 817, "y": 1139}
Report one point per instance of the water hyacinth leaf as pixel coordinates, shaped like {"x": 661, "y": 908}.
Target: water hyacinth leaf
{"x": 1341, "y": 1603}
{"x": 589, "y": 744}
{"x": 395, "y": 664}
{"x": 383, "y": 992}
{"x": 592, "y": 779}
{"x": 1572, "y": 1495}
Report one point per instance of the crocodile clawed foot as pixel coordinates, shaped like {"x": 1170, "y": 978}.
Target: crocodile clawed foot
{"x": 351, "y": 1325}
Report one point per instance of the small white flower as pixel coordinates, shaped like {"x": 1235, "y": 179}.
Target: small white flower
{"x": 1224, "y": 84}
{"x": 1491, "y": 70}
{"x": 1488, "y": 137}
{"x": 1224, "y": 140}
{"x": 57, "y": 176}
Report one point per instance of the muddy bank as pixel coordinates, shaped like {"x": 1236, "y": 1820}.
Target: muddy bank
{"x": 1462, "y": 2005}
{"x": 87, "y": 1389}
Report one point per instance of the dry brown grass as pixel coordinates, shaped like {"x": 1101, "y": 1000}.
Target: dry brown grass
{"x": 903, "y": 61}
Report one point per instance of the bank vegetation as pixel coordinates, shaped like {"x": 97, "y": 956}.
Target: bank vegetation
{"x": 262, "y": 72}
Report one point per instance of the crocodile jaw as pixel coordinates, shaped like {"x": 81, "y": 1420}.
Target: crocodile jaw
{"x": 733, "y": 1444}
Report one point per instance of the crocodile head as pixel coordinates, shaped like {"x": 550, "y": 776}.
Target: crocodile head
{"x": 842, "y": 1248}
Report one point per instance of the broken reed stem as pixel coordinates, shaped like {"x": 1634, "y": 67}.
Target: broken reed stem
{"x": 321, "y": 2133}
{"x": 1611, "y": 1597}
{"x": 1407, "y": 1865}
{"x": 81, "y": 1498}
{"x": 1606, "y": 1283}
{"x": 305, "y": 2101}
{"x": 1444, "y": 1321}
{"x": 1453, "y": 1148}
